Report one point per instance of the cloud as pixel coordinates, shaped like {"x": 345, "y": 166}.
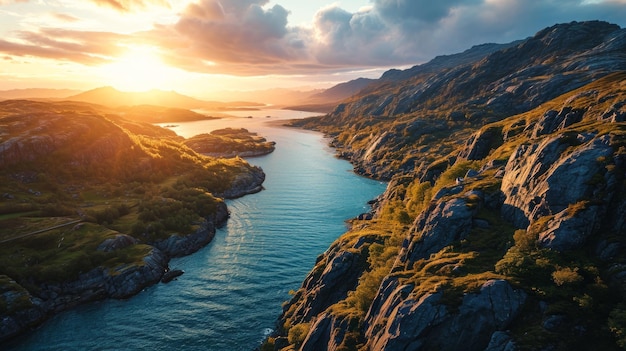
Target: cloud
{"x": 130, "y": 5}
{"x": 120, "y": 5}
{"x": 7, "y": 2}
{"x": 63, "y": 17}
{"x": 87, "y": 48}
{"x": 240, "y": 33}
{"x": 405, "y": 32}
{"x": 245, "y": 37}
{"x": 252, "y": 37}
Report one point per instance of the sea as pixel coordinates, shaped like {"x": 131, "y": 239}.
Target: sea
{"x": 232, "y": 291}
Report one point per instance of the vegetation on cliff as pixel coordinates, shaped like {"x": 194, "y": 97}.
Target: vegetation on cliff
{"x": 502, "y": 226}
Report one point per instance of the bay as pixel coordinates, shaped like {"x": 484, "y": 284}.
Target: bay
{"x": 232, "y": 290}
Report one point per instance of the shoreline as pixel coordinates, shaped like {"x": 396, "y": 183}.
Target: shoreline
{"x": 121, "y": 282}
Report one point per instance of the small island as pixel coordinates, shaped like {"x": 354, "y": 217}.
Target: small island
{"x": 229, "y": 143}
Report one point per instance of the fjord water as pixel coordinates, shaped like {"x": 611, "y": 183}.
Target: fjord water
{"x": 232, "y": 290}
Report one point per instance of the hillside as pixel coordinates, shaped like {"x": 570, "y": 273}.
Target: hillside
{"x": 112, "y": 97}
{"x": 93, "y": 206}
{"x": 502, "y": 227}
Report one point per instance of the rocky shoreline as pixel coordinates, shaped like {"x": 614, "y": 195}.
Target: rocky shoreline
{"x": 26, "y": 311}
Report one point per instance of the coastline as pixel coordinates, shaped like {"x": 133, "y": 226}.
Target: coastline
{"x": 121, "y": 282}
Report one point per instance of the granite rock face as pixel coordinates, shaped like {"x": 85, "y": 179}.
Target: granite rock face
{"x": 336, "y": 273}
{"x": 436, "y": 228}
{"x": 427, "y": 324}
{"x": 545, "y": 178}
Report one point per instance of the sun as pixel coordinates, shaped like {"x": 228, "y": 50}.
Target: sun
{"x": 140, "y": 69}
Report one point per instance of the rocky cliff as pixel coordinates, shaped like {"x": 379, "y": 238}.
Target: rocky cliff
{"x": 502, "y": 227}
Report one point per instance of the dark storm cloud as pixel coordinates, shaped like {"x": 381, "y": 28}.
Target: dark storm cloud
{"x": 401, "y": 32}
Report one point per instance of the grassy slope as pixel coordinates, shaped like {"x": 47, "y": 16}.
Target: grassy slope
{"x": 72, "y": 161}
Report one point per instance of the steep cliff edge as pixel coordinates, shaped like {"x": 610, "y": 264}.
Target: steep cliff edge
{"x": 499, "y": 231}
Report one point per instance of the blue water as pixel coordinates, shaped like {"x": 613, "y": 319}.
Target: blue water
{"x": 231, "y": 293}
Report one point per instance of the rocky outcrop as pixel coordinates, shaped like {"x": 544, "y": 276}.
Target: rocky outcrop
{"x": 20, "y": 310}
{"x": 437, "y": 227}
{"x": 245, "y": 183}
{"x": 481, "y": 143}
{"x": 546, "y": 178}
{"x": 178, "y": 245}
{"x": 327, "y": 333}
{"x": 553, "y": 121}
{"x": 335, "y": 274}
{"x": 406, "y": 322}
{"x": 120, "y": 241}
{"x": 119, "y": 282}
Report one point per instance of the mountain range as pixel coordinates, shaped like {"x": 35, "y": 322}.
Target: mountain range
{"x": 323, "y": 100}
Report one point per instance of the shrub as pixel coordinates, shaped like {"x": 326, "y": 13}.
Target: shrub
{"x": 525, "y": 241}
{"x": 298, "y": 333}
{"x": 617, "y": 324}
{"x": 368, "y": 286}
{"x": 566, "y": 275}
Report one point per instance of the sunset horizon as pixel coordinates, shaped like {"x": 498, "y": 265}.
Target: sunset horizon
{"x": 202, "y": 48}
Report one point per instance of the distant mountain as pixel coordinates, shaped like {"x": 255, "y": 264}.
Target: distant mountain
{"x": 318, "y": 100}
{"x": 112, "y": 97}
{"x": 325, "y": 101}
{"x": 278, "y": 97}
{"x": 341, "y": 91}
{"x": 469, "y": 56}
{"x": 36, "y": 93}
{"x": 514, "y": 79}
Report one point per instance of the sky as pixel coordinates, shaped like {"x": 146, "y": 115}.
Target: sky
{"x": 201, "y": 46}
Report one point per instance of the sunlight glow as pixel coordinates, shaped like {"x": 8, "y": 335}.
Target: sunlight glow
{"x": 140, "y": 69}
